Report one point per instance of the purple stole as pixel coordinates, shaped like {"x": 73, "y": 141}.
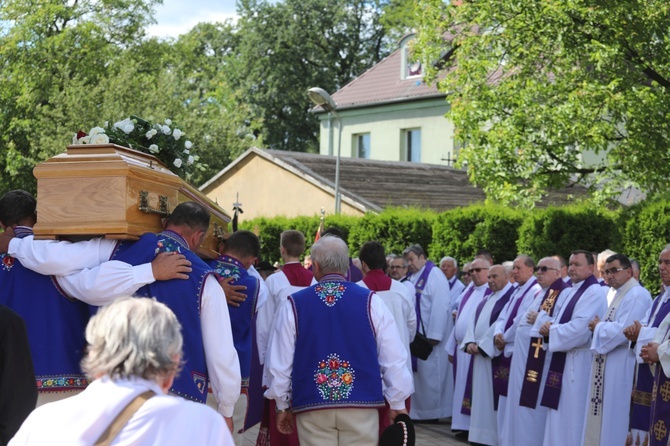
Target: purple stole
{"x": 530, "y": 389}
{"x": 420, "y": 285}
{"x": 467, "y": 393}
{"x": 452, "y": 281}
{"x": 642, "y": 392}
{"x": 660, "y": 407}
{"x": 502, "y": 363}
{"x": 552, "y": 388}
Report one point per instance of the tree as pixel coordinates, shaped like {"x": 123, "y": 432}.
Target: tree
{"x": 536, "y": 85}
{"x": 287, "y": 47}
{"x": 54, "y": 54}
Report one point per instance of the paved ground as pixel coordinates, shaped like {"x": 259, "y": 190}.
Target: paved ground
{"x": 426, "y": 435}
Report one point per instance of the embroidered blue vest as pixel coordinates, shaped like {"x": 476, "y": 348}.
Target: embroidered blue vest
{"x": 55, "y": 323}
{"x": 335, "y": 362}
{"x": 240, "y": 317}
{"x": 183, "y": 297}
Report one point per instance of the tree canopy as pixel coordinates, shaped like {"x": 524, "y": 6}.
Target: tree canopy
{"x": 537, "y": 88}
{"x": 67, "y": 66}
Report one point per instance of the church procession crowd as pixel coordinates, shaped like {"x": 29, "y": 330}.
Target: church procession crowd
{"x": 348, "y": 351}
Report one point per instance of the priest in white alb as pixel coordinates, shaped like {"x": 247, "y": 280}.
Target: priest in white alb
{"x": 470, "y": 299}
{"x": 613, "y": 364}
{"x": 569, "y": 340}
{"x": 505, "y": 328}
{"x": 525, "y": 420}
{"x": 485, "y": 363}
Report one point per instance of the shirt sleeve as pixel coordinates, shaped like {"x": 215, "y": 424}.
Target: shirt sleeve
{"x": 101, "y": 285}
{"x": 60, "y": 258}
{"x": 438, "y": 320}
{"x": 392, "y": 355}
{"x": 223, "y": 365}
{"x": 280, "y": 363}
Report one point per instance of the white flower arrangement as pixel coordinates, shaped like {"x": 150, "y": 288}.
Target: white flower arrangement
{"x": 164, "y": 141}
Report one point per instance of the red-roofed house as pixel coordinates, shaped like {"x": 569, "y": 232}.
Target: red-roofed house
{"x": 389, "y": 113}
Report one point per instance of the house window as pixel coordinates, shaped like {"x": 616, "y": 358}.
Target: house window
{"x": 413, "y": 66}
{"x": 362, "y": 145}
{"x": 413, "y": 145}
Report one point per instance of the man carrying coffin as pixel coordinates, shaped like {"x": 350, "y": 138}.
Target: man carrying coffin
{"x": 198, "y": 301}
{"x": 479, "y": 289}
{"x": 55, "y": 308}
{"x": 640, "y": 333}
{"x": 613, "y": 367}
{"x": 483, "y": 373}
{"x": 569, "y": 340}
{"x": 526, "y": 418}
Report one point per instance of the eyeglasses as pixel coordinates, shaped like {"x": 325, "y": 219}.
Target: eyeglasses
{"x": 613, "y": 271}
{"x": 544, "y": 269}
{"x": 398, "y": 267}
{"x": 465, "y": 273}
{"x": 477, "y": 270}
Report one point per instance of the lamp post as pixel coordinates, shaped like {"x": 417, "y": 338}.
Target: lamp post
{"x": 319, "y": 96}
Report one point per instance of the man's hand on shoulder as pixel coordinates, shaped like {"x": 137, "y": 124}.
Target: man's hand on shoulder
{"x": 170, "y": 265}
{"x": 5, "y": 238}
{"x": 233, "y": 293}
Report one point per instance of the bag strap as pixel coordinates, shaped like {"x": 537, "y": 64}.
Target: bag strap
{"x": 121, "y": 419}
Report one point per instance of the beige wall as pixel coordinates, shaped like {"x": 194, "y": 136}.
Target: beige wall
{"x": 267, "y": 190}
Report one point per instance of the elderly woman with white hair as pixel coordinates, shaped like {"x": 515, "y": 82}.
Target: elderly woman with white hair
{"x": 134, "y": 353}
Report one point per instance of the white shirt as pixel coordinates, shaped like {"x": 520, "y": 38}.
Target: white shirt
{"x": 391, "y": 354}
{"x": 52, "y": 257}
{"x": 161, "y": 420}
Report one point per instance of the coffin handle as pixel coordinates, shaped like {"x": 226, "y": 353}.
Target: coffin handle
{"x": 162, "y": 210}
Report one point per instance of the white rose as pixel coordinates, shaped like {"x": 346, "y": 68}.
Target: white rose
{"x": 188, "y": 144}
{"x": 126, "y": 125}
{"x": 176, "y": 134}
{"x": 75, "y": 140}
{"x": 99, "y": 138}
{"x": 153, "y": 148}
{"x": 190, "y": 160}
{"x": 177, "y": 163}
{"x": 149, "y": 134}
{"x": 96, "y": 131}
{"x": 186, "y": 151}
{"x": 168, "y": 122}
{"x": 85, "y": 140}
{"x": 165, "y": 129}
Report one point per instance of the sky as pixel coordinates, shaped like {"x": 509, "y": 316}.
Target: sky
{"x": 177, "y": 17}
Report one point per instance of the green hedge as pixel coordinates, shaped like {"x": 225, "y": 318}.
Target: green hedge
{"x": 561, "y": 230}
{"x": 395, "y": 228}
{"x": 640, "y": 231}
{"x": 461, "y": 232}
{"x": 646, "y": 232}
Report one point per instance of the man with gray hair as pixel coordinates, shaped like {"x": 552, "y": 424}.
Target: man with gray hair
{"x": 134, "y": 354}
{"x": 329, "y": 345}
{"x": 449, "y": 267}
{"x": 433, "y": 380}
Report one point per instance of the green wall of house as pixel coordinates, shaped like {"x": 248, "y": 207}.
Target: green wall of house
{"x": 387, "y": 126}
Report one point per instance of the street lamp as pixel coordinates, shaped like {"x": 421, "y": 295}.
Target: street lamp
{"x": 319, "y": 96}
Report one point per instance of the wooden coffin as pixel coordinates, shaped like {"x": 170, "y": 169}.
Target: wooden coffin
{"x": 115, "y": 192}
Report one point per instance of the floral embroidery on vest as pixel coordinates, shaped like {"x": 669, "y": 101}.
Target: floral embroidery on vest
{"x": 56, "y": 382}
{"x": 330, "y": 292}
{"x": 7, "y": 261}
{"x": 334, "y": 378}
{"x": 228, "y": 271}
